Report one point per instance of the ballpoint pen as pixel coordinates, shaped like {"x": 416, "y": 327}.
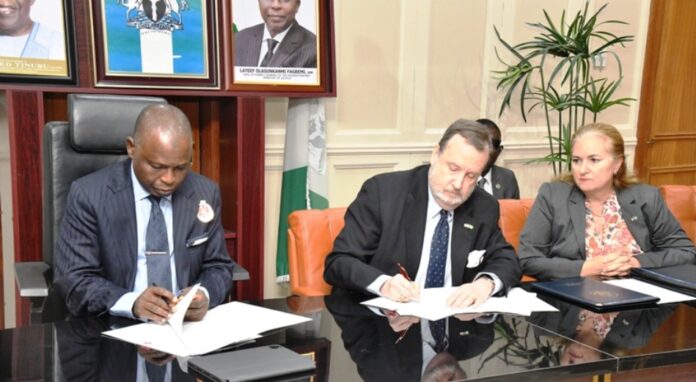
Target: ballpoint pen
{"x": 403, "y": 272}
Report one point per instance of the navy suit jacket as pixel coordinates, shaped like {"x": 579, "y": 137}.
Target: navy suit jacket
{"x": 96, "y": 252}
{"x": 298, "y": 49}
{"x": 386, "y": 223}
{"x": 85, "y": 355}
{"x": 504, "y": 183}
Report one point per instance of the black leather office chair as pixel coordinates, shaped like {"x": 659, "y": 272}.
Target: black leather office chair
{"x": 93, "y": 138}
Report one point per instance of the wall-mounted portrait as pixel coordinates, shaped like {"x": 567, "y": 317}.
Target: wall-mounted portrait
{"x": 36, "y": 41}
{"x": 277, "y": 42}
{"x": 155, "y": 43}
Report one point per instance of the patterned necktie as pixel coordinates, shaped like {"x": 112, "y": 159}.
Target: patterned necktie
{"x": 481, "y": 183}
{"x": 435, "y": 277}
{"x": 267, "y": 58}
{"x": 159, "y": 271}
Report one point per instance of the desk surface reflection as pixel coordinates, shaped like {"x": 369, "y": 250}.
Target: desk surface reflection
{"x": 349, "y": 342}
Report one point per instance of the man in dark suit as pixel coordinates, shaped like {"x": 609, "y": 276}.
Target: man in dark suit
{"x": 101, "y": 262}
{"x": 497, "y": 181}
{"x": 395, "y": 216}
{"x": 279, "y": 41}
{"x": 374, "y": 345}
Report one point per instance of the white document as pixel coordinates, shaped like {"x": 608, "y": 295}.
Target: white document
{"x": 433, "y": 304}
{"x": 227, "y": 324}
{"x": 666, "y": 296}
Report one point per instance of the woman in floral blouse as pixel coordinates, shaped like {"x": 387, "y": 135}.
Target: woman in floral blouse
{"x": 599, "y": 221}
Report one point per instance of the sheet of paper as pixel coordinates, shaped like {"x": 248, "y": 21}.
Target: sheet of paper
{"x": 177, "y": 319}
{"x": 224, "y": 325}
{"x": 433, "y": 304}
{"x": 665, "y": 295}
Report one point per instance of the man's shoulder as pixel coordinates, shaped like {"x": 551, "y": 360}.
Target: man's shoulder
{"x": 502, "y": 171}
{"x": 250, "y": 31}
{"x": 304, "y": 32}
{"x": 201, "y": 180}
{"x": 401, "y": 176}
{"x": 105, "y": 175}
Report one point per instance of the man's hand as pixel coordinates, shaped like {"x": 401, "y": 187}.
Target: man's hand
{"x": 399, "y": 289}
{"x": 400, "y": 323}
{"x": 471, "y": 294}
{"x": 154, "y": 304}
{"x": 198, "y": 307}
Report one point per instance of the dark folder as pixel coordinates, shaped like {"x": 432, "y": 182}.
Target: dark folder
{"x": 271, "y": 362}
{"x": 680, "y": 278}
{"x": 595, "y": 295}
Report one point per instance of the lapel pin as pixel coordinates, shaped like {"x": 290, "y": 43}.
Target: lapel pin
{"x": 497, "y": 185}
{"x": 468, "y": 226}
{"x": 634, "y": 218}
{"x": 205, "y": 212}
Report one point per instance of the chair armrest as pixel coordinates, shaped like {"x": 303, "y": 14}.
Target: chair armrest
{"x": 239, "y": 273}
{"x": 30, "y": 278}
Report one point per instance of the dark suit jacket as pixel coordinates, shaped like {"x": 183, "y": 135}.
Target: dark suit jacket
{"x": 552, "y": 243}
{"x": 298, "y": 49}
{"x": 370, "y": 340}
{"x": 85, "y": 355}
{"x": 504, "y": 183}
{"x": 96, "y": 252}
{"x": 385, "y": 225}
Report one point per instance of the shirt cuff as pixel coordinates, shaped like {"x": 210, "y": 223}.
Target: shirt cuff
{"x": 205, "y": 292}
{"x": 375, "y": 286}
{"x": 497, "y": 284}
{"x": 124, "y": 305}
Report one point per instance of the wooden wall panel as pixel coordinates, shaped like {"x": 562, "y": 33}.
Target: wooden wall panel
{"x": 666, "y": 149}
{"x": 2, "y": 279}
{"x": 25, "y": 119}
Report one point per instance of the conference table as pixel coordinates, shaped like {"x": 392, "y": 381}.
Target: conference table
{"x": 349, "y": 342}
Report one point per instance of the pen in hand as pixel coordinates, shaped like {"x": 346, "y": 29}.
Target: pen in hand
{"x": 403, "y": 272}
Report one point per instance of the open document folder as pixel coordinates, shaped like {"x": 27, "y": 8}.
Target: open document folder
{"x": 433, "y": 304}
{"x": 223, "y": 325}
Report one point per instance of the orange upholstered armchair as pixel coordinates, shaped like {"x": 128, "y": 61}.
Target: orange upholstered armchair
{"x": 681, "y": 200}
{"x": 311, "y": 234}
{"x": 513, "y": 214}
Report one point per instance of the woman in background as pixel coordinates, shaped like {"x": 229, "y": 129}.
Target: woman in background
{"x": 597, "y": 220}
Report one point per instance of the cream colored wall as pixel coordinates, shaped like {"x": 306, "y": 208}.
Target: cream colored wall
{"x": 407, "y": 69}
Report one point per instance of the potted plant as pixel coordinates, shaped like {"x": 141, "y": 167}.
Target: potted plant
{"x": 554, "y": 71}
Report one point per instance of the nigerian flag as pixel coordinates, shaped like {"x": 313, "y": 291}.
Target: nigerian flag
{"x": 304, "y": 170}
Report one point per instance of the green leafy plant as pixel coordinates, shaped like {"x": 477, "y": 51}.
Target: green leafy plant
{"x": 516, "y": 345}
{"x": 553, "y": 71}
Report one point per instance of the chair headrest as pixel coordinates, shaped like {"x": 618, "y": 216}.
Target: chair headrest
{"x": 101, "y": 122}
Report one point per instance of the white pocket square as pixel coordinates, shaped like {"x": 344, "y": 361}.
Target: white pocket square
{"x": 475, "y": 257}
{"x": 196, "y": 241}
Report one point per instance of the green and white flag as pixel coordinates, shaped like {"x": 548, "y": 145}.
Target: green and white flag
{"x": 304, "y": 170}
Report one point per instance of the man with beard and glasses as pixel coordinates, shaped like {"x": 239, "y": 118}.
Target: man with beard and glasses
{"x": 400, "y": 223}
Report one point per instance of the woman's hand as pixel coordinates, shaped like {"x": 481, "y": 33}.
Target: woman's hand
{"x": 609, "y": 265}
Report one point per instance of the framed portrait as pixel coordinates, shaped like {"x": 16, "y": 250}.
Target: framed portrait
{"x": 284, "y": 46}
{"x": 36, "y": 42}
{"x": 155, "y": 43}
